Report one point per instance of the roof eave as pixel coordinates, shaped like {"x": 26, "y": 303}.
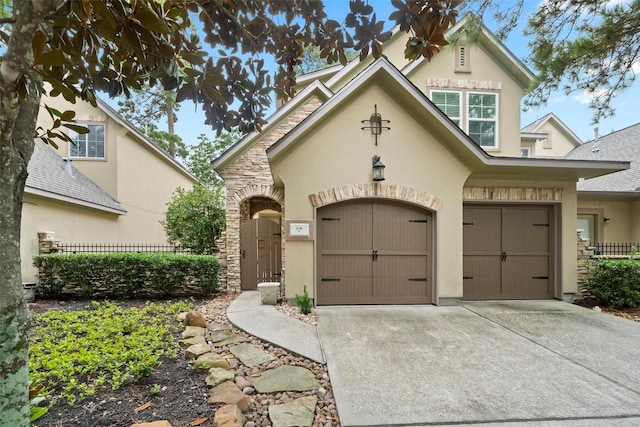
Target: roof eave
{"x": 61, "y": 198}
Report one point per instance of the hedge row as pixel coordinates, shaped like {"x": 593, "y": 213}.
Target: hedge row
{"x": 615, "y": 282}
{"x": 126, "y": 275}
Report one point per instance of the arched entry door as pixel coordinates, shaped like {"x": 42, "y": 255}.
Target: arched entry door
{"x": 374, "y": 252}
{"x": 260, "y": 252}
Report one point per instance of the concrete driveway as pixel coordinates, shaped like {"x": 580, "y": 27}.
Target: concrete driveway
{"x": 509, "y": 363}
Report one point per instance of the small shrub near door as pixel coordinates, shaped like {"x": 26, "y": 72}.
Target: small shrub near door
{"x": 616, "y": 283}
{"x": 126, "y": 275}
{"x": 303, "y": 302}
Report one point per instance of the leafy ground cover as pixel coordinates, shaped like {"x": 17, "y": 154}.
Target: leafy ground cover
{"x": 86, "y": 357}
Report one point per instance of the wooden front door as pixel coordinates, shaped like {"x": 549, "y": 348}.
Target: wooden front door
{"x": 508, "y": 252}
{"x": 373, "y": 252}
{"x": 260, "y": 252}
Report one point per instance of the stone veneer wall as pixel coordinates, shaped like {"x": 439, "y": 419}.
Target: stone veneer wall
{"x": 249, "y": 176}
{"x": 585, "y": 253}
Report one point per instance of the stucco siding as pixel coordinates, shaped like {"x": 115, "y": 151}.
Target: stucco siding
{"x": 621, "y": 227}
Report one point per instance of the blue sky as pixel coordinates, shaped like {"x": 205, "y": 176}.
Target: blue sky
{"x": 571, "y": 109}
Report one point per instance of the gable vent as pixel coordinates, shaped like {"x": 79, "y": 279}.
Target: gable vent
{"x": 462, "y": 59}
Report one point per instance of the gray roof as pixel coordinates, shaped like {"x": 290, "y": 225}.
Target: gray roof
{"x": 620, "y": 145}
{"x": 48, "y": 177}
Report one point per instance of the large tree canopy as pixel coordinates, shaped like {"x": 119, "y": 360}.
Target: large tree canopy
{"x": 79, "y": 47}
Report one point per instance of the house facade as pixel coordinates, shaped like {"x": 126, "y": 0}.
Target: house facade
{"x": 457, "y": 214}
{"x": 112, "y": 186}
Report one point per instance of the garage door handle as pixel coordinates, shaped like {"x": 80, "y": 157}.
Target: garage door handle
{"x": 467, "y": 277}
{"x": 374, "y": 256}
{"x": 540, "y": 277}
{"x": 418, "y": 279}
{"x": 329, "y": 279}
{"x": 503, "y": 256}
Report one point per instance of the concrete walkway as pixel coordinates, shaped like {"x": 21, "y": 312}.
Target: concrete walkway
{"x": 247, "y": 313}
{"x": 513, "y": 363}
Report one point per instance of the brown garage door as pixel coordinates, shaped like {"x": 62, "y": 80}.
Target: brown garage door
{"x": 373, "y": 252}
{"x": 508, "y": 252}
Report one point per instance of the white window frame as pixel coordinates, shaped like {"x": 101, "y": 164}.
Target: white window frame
{"x": 496, "y": 142}
{"x": 460, "y": 119}
{"x": 76, "y": 136}
{"x": 526, "y": 150}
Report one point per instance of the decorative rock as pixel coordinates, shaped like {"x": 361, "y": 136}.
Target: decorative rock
{"x": 161, "y": 423}
{"x": 248, "y": 390}
{"x": 211, "y": 360}
{"x": 193, "y": 331}
{"x": 196, "y": 350}
{"x": 218, "y": 375}
{"x": 242, "y": 382}
{"x": 213, "y": 327}
{"x": 182, "y": 316}
{"x": 251, "y": 355}
{"x": 227, "y": 392}
{"x": 297, "y": 413}
{"x": 229, "y": 416}
{"x": 193, "y": 318}
{"x": 285, "y": 378}
{"x": 193, "y": 340}
{"x": 222, "y": 338}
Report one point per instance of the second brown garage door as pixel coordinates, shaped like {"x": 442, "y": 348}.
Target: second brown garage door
{"x": 508, "y": 252}
{"x": 373, "y": 252}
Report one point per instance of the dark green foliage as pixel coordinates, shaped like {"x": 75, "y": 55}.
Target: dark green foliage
{"x": 126, "y": 275}
{"x": 303, "y": 302}
{"x": 616, "y": 283}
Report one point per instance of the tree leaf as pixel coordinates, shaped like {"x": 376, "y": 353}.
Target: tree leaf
{"x": 52, "y": 58}
{"x": 77, "y": 128}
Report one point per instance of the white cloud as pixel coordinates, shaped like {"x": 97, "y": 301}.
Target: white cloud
{"x": 585, "y": 97}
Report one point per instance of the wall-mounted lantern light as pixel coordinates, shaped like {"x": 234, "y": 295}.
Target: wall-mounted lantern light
{"x": 375, "y": 123}
{"x": 378, "y": 169}
{"x": 606, "y": 220}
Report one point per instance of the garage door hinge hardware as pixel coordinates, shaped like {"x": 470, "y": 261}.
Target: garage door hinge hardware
{"x": 329, "y": 279}
{"x": 417, "y": 220}
{"x": 467, "y": 223}
{"x": 503, "y": 256}
{"x": 418, "y": 279}
{"x": 374, "y": 256}
{"x": 541, "y": 277}
{"x": 540, "y": 225}
{"x": 277, "y": 234}
{"x": 331, "y": 219}
{"x": 467, "y": 277}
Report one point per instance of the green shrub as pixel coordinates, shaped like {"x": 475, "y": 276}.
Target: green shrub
{"x": 616, "y": 283}
{"x": 126, "y": 275}
{"x": 303, "y": 302}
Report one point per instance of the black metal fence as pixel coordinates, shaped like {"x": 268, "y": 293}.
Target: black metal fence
{"x": 616, "y": 248}
{"x": 109, "y": 248}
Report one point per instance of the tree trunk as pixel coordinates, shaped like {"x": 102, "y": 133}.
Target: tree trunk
{"x": 17, "y": 127}
{"x": 170, "y": 120}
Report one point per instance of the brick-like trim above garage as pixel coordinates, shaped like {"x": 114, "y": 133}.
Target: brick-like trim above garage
{"x": 512, "y": 194}
{"x": 382, "y": 190}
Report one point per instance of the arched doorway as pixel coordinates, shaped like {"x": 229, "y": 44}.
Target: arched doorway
{"x": 374, "y": 251}
{"x": 260, "y": 242}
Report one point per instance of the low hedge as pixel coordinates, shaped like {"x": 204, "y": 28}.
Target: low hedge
{"x": 615, "y": 282}
{"x": 126, "y": 275}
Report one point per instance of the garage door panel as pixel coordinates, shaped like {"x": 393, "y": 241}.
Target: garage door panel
{"x": 482, "y": 230}
{"x": 401, "y": 276}
{"x": 342, "y": 266}
{"x": 401, "y": 227}
{"x": 526, "y": 230}
{"x": 526, "y": 277}
{"x": 346, "y": 226}
{"x": 347, "y": 290}
{"x": 481, "y": 276}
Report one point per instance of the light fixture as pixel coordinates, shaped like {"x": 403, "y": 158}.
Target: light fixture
{"x": 378, "y": 169}
{"x": 606, "y": 220}
{"x": 375, "y": 123}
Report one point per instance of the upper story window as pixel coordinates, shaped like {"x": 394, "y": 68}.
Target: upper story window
{"x": 449, "y": 103}
{"x": 483, "y": 118}
{"x": 525, "y": 152}
{"x": 89, "y": 145}
{"x": 477, "y": 113}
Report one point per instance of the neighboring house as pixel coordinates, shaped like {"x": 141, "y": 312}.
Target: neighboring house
{"x": 116, "y": 190}
{"x": 547, "y": 137}
{"x": 457, "y": 215}
{"x": 609, "y": 206}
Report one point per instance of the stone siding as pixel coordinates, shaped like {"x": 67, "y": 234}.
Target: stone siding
{"x": 585, "y": 253}
{"x": 382, "y": 190}
{"x": 512, "y": 194}
{"x": 248, "y": 177}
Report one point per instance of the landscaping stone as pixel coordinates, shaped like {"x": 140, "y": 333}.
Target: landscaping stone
{"x": 229, "y": 393}
{"x": 193, "y": 331}
{"x": 218, "y": 376}
{"x": 251, "y": 355}
{"x": 193, "y": 340}
{"x": 229, "y": 416}
{"x": 300, "y": 412}
{"x": 193, "y": 318}
{"x": 196, "y": 350}
{"x": 213, "y": 327}
{"x": 162, "y": 423}
{"x": 212, "y": 360}
{"x": 285, "y": 378}
{"x": 222, "y": 338}
{"x": 242, "y": 382}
